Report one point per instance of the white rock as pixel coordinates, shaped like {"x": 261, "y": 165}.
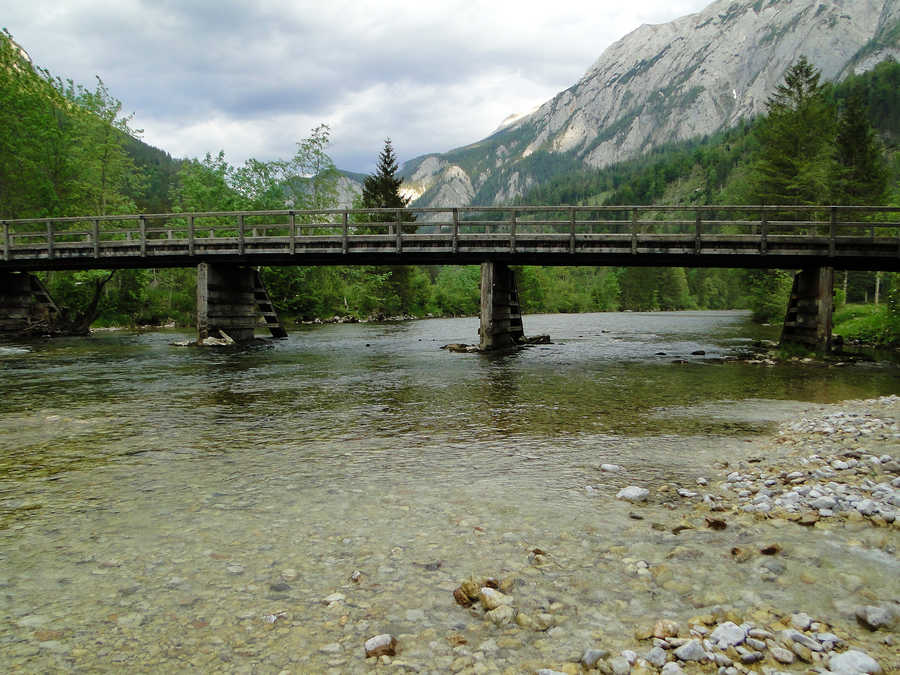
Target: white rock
{"x": 691, "y": 650}
{"x": 672, "y": 668}
{"x": 610, "y": 468}
{"x": 381, "y": 645}
{"x": 657, "y": 656}
{"x": 801, "y": 620}
{"x": 853, "y": 662}
{"x": 492, "y": 599}
{"x": 728, "y": 634}
{"x": 633, "y": 493}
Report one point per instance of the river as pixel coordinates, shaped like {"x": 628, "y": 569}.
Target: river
{"x": 204, "y": 509}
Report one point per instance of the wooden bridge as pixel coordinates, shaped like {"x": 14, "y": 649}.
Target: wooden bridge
{"x": 806, "y": 238}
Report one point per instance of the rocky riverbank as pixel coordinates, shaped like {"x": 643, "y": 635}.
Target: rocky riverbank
{"x": 835, "y": 470}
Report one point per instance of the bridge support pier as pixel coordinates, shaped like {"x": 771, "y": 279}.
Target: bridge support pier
{"x": 808, "y": 319}
{"x": 501, "y": 317}
{"x": 25, "y": 305}
{"x": 230, "y": 299}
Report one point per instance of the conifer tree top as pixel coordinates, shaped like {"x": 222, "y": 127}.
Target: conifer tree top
{"x": 382, "y": 189}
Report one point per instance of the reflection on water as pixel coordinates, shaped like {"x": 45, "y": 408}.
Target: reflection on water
{"x": 151, "y": 497}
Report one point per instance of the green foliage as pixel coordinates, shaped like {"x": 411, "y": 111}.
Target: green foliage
{"x": 872, "y": 324}
{"x": 768, "y": 292}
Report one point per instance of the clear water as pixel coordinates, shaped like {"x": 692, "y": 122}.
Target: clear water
{"x": 158, "y": 503}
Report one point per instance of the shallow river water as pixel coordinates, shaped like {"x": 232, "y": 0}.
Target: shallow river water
{"x": 166, "y": 508}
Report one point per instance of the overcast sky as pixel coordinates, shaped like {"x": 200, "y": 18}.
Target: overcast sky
{"x": 252, "y": 78}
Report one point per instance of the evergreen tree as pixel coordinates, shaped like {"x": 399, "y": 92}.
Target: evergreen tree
{"x": 402, "y": 285}
{"x": 859, "y": 174}
{"x": 793, "y": 163}
{"x": 381, "y": 190}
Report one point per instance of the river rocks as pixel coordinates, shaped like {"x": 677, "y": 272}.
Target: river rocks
{"x": 838, "y": 480}
{"x": 381, "y": 645}
{"x": 633, "y": 493}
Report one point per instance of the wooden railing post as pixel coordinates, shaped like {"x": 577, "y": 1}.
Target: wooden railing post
{"x": 456, "y": 230}
{"x": 293, "y": 232}
{"x": 345, "y": 231}
{"x": 512, "y": 231}
{"x": 698, "y": 232}
{"x": 832, "y": 232}
{"x": 634, "y": 224}
{"x": 49, "y": 238}
{"x": 572, "y": 230}
{"x": 6, "y": 241}
{"x": 191, "y": 235}
{"x": 241, "y": 234}
{"x": 143, "y": 227}
{"x": 399, "y": 232}
{"x": 763, "y": 234}
{"x": 96, "y": 234}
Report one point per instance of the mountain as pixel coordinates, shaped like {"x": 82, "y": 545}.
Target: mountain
{"x": 694, "y": 76}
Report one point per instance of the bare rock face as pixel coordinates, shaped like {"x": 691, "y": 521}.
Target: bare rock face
{"x": 693, "y": 76}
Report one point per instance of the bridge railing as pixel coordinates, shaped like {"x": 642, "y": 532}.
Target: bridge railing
{"x": 96, "y": 236}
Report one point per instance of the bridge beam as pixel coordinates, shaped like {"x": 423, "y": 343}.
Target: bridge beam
{"x": 501, "y": 317}
{"x": 230, "y": 299}
{"x": 25, "y": 305}
{"x": 808, "y": 319}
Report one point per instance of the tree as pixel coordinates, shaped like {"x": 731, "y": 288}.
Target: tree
{"x": 381, "y": 190}
{"x": 859, "y": 173}
{"x": 311, "y": 177}
{"x": 794, "y": 157}
{"x": 404, "y": 289}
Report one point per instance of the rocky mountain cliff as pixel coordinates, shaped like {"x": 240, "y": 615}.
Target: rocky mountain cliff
{"x": 696, "y": 75}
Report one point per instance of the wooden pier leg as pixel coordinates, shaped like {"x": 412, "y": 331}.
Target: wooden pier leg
{"x": 501, "y": 317}
{"x": 226, "y": 302}
{"x": 808, "y": 319}
{"x": 25, "y": 304}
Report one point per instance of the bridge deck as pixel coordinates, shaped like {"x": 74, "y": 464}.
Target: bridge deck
{"x": 623, "y": 236}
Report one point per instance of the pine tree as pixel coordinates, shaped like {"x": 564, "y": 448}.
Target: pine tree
{"x": 794, "y": 161}
{"x": 381, "y": 190}
{"x": 859, "y": 174}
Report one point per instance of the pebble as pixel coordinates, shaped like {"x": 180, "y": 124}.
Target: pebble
{"x": 692, "y": 650}
{"x": 657, "y": 656}
{"x": 853, "y": 662}
{"x": 492, "y": 599}
{"x": 591, "y": 656}
{"x": 728, "y": 634}
{"x": 874, "y": 618}
{"x": 672, "y": 668}
{"x": 381, "y": 645}
{"x": 502, "y": 615}
{"x": 633, "y": 493}
{"x": 620, "y": 665}
{"x": 781, "y": 654}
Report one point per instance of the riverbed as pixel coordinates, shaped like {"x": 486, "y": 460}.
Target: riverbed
{"x": 269, "y": 509}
